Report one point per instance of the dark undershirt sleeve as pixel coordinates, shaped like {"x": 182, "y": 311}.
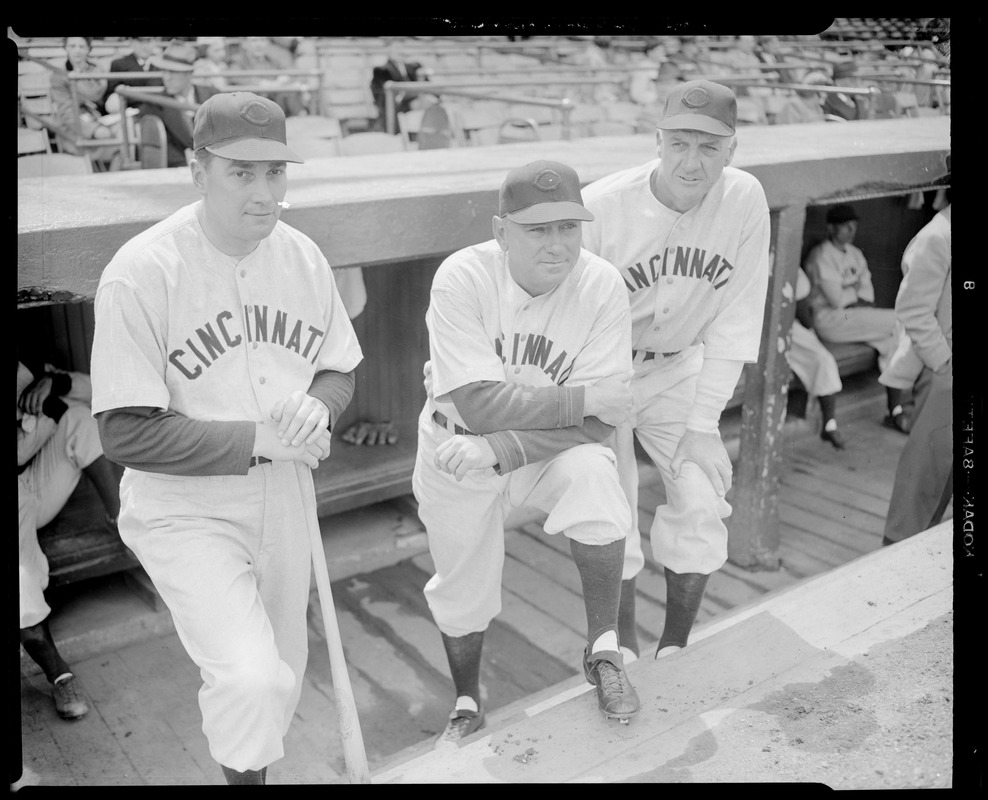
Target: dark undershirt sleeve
{"x": 335, "y": 389}
{"x": 489, "y": 406}
{"x": 152, "y": 440}
{"x": 515, "y": 449}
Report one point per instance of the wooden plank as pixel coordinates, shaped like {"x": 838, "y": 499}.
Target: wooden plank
{"x": 799, "y": 485}
{"x": 138, "y": 719}
{"x": 391, "y": 601}
{"x": 831, "y": 520}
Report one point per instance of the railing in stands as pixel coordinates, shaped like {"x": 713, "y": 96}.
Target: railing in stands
{"x": 471, "y": 89}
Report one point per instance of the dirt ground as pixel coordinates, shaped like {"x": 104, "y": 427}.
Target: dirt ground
{"x": 883, "y": 721}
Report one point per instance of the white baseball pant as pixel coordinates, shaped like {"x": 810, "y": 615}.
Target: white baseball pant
{"x": 873, "y": 326}
{"x": 687, "y": 533}
{"x": 230, "y": 556}
{"x": 42, "y": 491}
{"x": 578, "y": 489}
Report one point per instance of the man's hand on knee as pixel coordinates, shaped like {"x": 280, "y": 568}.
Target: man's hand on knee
{"x": 707, "y": 451}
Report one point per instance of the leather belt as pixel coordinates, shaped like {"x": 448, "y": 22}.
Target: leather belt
{"x": 255, "y": 460}
{"x": 445, "y": 422}
{"x": 648, "y": 355}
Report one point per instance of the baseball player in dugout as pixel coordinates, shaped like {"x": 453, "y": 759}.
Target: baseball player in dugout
{"x": 689, "y": 236}
{"x": 222, "y": 357}
{"x": 530, "y": 359}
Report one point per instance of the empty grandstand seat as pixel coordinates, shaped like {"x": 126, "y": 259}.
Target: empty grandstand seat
{"x": 31, "y": 140}
{"x": 34, "y": 93}
{"x": 518, "y": 129}
{"x": 368, "y": 142}
{"x": 44, "y": 165}
{"x": 437, "y": 129}
{"x": 153, "y": 148}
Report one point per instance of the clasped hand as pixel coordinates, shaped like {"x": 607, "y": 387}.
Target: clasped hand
{"x": 298, "y": 431}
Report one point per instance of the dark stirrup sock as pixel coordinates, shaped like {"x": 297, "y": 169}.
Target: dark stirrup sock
{"x": 627, "y": 627}
{"x": 38, "y": 643}
{"x": 684, "y": 593}
{"x": 463, "y": 654}
{"x": 828, "y": 408}
{"x": 249, "y": 777}
{"x": 600, "y": 574}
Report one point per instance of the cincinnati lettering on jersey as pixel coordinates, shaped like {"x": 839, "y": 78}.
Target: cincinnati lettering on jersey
{"x": 214, "y": 338}
{"x": 688, "y": 262}
{"x": 536, "y": 349}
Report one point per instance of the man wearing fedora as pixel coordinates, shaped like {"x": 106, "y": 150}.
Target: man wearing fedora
{"x": 177, "y": 63}
{"x": 846, "y": 106}
{"x": 222, "y": 356}
{"x": 689, "y": 235}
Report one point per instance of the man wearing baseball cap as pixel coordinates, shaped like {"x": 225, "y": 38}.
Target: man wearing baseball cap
{"x": 222, "y": 357}
{"x": 689, "y": 236}
{"x": 530, "y": 354}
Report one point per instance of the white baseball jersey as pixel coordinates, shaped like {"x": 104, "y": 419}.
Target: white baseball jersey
{"x": 484, "y": 327}
{"x": 183, "y": 326}
{"x": 699, "y": 276}
{"x": 838, "y": 277}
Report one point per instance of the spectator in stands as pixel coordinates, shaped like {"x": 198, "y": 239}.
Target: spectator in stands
{"x": 684, "y": 54}
{"x": 846, "y": 106}
{"x": 804, "y": 105}
{"x": 741, "y": 57}
{"x": 176, "y": 63}
{"x": 57, "y": 441}
{"x": 258, "y": 53}
{"x": 814, "y": 364}
{"x": 924, "y": 476}
{"x": 843, "y": 300}
{"x": 209, "y": 67}
{"x": 927, "y": 70}
{"x": 138, "y": 60}
{"x": 79, "y": 116}
{"x": 396, "y": 68}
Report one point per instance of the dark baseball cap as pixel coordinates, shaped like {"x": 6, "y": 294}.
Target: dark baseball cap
{"x": 243, "y": 126}
{"x": 701, "y": 105}
{"x": 542, "y": 191}
{"x": 841, "y": 213}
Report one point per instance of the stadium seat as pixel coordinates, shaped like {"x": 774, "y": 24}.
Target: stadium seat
{"x": 30, "y": 141}
{"x": 153, "y": 148}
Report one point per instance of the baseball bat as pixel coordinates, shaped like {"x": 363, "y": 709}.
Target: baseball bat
{"x": 346, "y": 708}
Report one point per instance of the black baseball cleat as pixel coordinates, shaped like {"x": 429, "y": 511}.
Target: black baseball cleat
{"x": 461, "y": 724}
{"x": 835, "y": 437}
{"x": 616, "y": 697}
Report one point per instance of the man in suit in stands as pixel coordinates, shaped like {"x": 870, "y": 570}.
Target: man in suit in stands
{"x": 394, "y": 69}
{"x": 138, "y": 60}
{"x": 176, "y": 62}
{"x": 846, "y": 106}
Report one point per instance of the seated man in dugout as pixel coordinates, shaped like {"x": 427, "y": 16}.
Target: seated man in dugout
{"x": 530, "y": 343}
{"x": 57, "y": 441}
